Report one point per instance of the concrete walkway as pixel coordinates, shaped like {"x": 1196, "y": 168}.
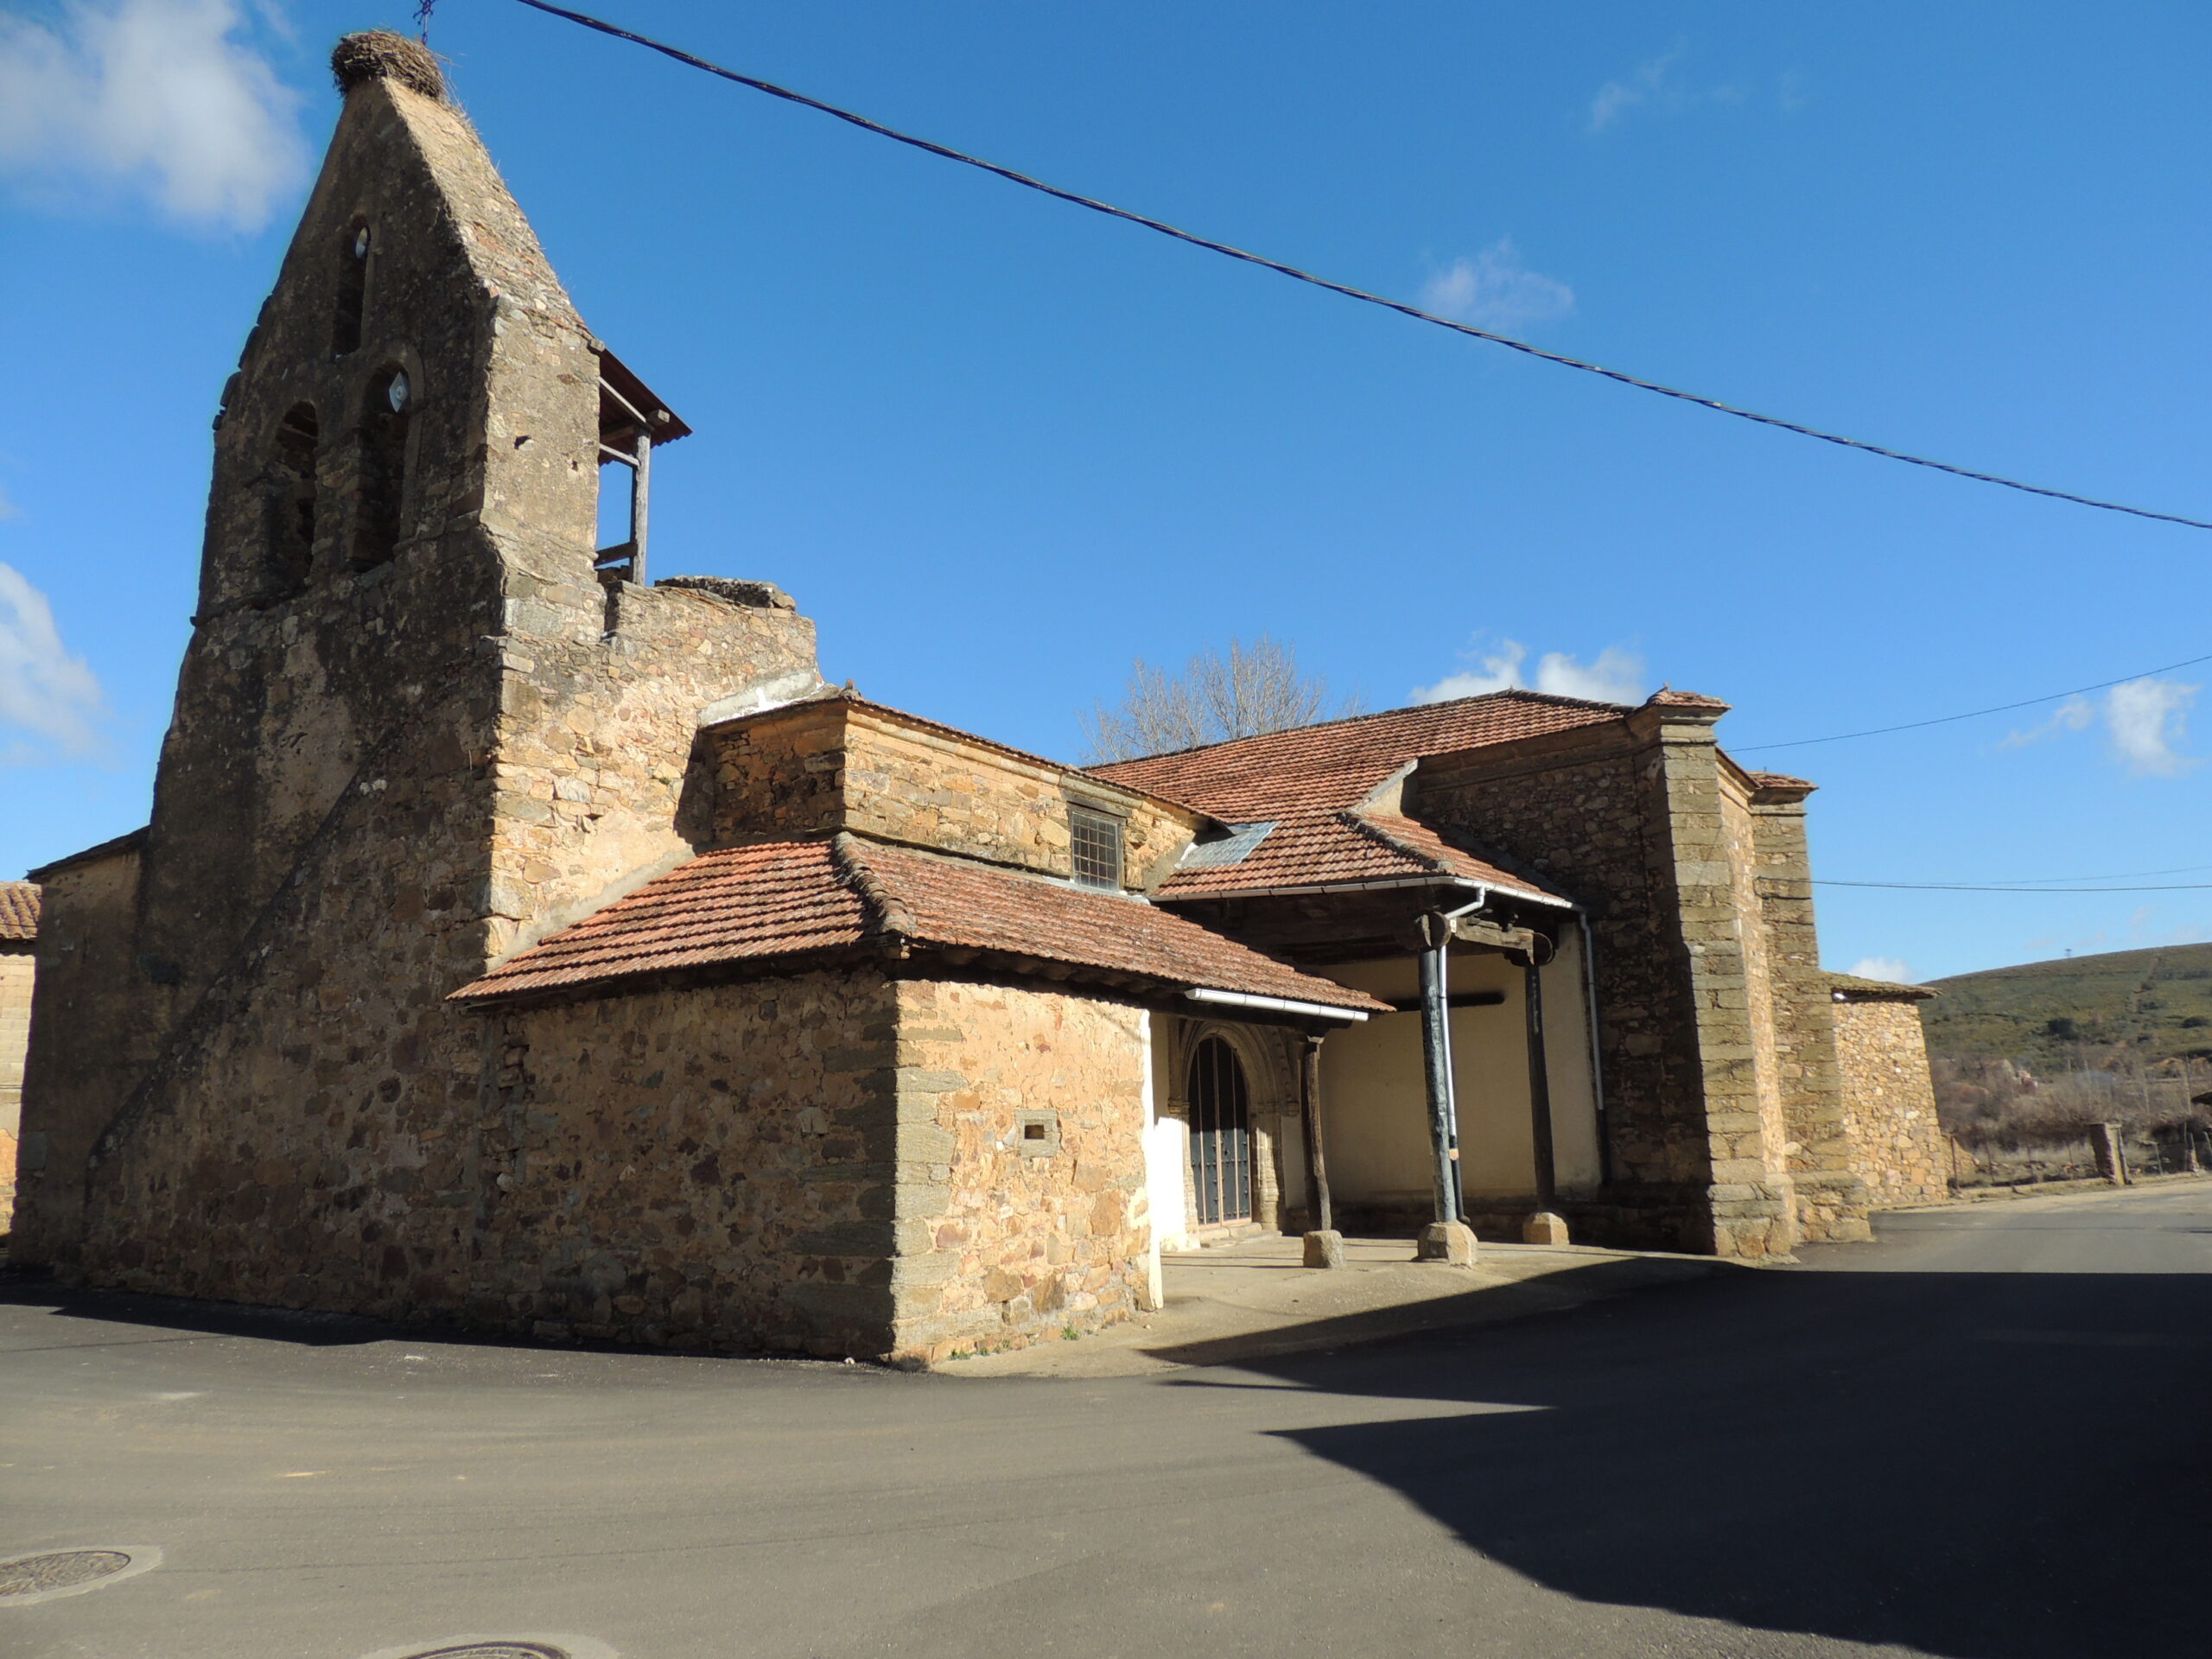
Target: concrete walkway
{"x": 1247, "y": 1300}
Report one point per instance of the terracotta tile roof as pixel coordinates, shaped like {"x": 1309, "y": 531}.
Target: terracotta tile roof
{"x": 779, "y": 899}
{"x": 18, "y": 910}
{"x": 789, "y": 901}
{"x": 1428, "y": 843}
{"x": 1325, "y": 848}
{"x": 1315, "y": 768}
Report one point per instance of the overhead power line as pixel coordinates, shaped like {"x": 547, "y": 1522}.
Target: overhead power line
{"x": 1944, "y": 886}
{"x": 1163, "y": 228}
{"x": 2110, "y": 875}
{"x": 1971, "y": 714}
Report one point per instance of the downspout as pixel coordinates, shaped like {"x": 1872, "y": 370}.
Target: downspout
{"x": 1436, "y": 1051}
{"x": 1597, "y": 1062}
{"x": 1540, "y": 1087}
{"x": 1155, "y": 1290}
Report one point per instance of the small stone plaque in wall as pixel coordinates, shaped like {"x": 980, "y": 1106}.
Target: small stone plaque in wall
{"x": 1037, "y": 1134}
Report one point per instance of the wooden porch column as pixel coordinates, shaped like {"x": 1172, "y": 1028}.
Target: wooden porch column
{"x": 1309, "y": 1106}
{"x": 1540, "y": 1088}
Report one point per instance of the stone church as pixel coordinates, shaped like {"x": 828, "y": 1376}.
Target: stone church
{"x": 520, "y": 944}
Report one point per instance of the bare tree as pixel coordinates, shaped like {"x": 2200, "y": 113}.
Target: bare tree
{"x": 1255, "y": 688}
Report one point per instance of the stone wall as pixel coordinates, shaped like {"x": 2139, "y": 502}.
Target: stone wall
{"x": 1629, "y": 819}
{"x": 1022, "y": 1210}
{"x": 836, "y": 764}
{"x": 1898, "y": 1147}
{"x": 1747, "y": 1153}
{"x": 18, "y": 969}
{"x": 598, "y": 786}
{"x": 830, "y": 1163}
{"x": 97, "y": 1023}
{"x": 1831, "y": 1197}
{"x": 707, "y": 1167}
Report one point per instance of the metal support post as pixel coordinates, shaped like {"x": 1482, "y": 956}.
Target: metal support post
{"x": 1436, "y": 1060}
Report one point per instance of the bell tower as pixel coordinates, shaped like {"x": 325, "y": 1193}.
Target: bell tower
{"x": 422, "y": 718}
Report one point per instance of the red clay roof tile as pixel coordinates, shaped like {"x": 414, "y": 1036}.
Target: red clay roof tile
{"x": 1328, "y": 848}
{"x": 791, "y": 901}
{"x": 1317, "y": 768}
{"x": 18, "y": 910}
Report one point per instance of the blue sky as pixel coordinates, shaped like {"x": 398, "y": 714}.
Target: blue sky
{"x": 999, "y": 447}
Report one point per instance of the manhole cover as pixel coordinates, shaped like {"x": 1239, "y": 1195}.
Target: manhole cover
{"x": 55, "y": 1572}
{"x": 543, "y": 1644}
{"x": 65, "y": 1569}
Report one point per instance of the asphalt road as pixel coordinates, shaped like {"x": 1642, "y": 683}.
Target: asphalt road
{"x": 1984, "y": 1436}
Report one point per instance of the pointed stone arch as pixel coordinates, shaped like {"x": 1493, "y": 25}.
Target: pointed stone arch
{"x": 383, "y": 461}
{"x": 350, "y": 295}
{"x": 1270, "y": 1079}
{"x": 292, "y": 502}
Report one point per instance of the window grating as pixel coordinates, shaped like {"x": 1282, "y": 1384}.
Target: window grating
{"x": 1096, "y": 841}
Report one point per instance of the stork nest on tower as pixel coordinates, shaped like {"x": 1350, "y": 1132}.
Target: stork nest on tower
{"x": 379, "y": 54}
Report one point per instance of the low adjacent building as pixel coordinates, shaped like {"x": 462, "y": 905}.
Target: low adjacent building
{"x": 519, "y": 943}
{"x": 18, "y": 969}
{"x": 1889, "y": 1098}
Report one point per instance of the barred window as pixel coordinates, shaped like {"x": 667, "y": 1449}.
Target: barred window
{"x": 1097, "y": 843}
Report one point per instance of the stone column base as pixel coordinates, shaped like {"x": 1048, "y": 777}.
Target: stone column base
{"x": 1544, "y": 1228}
{"x": 1325, "y": 1250}
{"x": 1452, "y": 1242}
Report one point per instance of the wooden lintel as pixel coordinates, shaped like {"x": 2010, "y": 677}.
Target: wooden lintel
{"x": 1474, "y": 929}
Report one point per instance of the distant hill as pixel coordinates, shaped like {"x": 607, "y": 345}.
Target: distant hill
{"x": 2156, "y": 1003}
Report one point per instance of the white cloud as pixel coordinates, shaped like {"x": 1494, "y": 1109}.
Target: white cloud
{"x": 1494, "y": 290}
{"x": 43, "y": 690}
{"x": 2144, "y": 719}
{"x": 156, "y": 93}
{"x": 1888, "y": 968}
{"x": 1656, "y": 87}
{"x": 1652, "y": 82}
{"x": 9, "y": 509}
{"x": 1617, "y": 675}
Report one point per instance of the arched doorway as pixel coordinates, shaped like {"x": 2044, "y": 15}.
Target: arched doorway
{"x": 1221, "y": 1134}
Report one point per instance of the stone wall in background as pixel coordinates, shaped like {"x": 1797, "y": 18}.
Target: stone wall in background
{"x": 1897, "y": 1149}
{"x": 836, "y": 764}
{"x": 18, "y": 969}
{"x": 1832, "y": 1197}
{"x": 1747, "y": 1152}
{"x": 100, "y": 1021}
{"x": 599, "y": 788}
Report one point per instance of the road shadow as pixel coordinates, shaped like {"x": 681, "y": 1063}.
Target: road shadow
{"x": 1488, "y": 1304}
{"x": 1976, "y": 1466}
{"x": 305, "y": 1328}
